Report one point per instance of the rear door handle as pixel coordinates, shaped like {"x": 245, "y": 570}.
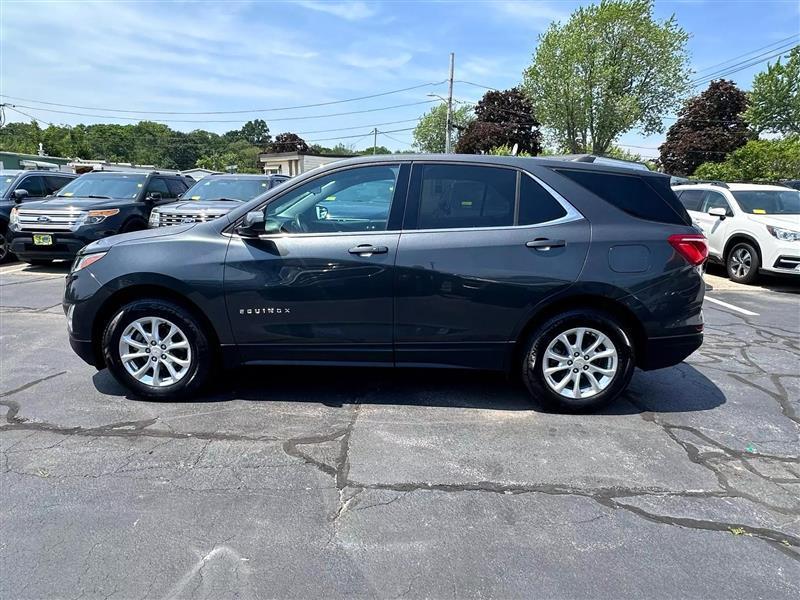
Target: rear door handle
{"x": 368, "y": 250}
{"x": 543, "y": 244}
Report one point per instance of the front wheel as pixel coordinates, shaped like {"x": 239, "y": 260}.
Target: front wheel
{"x": 157, "y": 349}
{"x": 578, "y": 361}
{"x": 743, "y": 263}
{"x": 5, "y": 253}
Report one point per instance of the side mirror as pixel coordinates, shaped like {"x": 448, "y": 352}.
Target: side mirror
{"x": 718, "y": 211}
{"x": 153, "y": 197}
{"x": 255, "y": 224}
{"x": 20, "y": 195}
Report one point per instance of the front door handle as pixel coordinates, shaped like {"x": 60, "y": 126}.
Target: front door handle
{"x": 543, "y": 244}
{"x": 368, "y": 250}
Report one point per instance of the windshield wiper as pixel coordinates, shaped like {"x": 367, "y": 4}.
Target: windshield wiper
{"x": 97, "y": 196}
{"x": 222, "y": 199}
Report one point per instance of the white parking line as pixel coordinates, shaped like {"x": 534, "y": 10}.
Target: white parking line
{"x": 744, "y": 311}
{"x": 13, "y": 269}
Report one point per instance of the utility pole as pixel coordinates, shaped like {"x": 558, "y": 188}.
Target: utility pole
{"x": 375, "y": 141}
{"x": 449, "y": 124}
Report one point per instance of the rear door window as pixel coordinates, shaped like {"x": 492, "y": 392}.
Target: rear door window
{"x": 536, "y": 204}
{"x": 692, "y": 199}
{"x": 463, "y": 196}
{"x": 647, "y": 198}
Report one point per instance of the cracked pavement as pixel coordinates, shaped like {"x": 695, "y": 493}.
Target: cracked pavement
{"x": 371, "y": 483}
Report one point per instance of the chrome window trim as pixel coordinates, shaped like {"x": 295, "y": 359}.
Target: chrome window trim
{"x": 573, "y": 214}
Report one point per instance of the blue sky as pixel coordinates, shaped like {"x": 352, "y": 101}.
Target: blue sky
{"x": 226, "y": 56}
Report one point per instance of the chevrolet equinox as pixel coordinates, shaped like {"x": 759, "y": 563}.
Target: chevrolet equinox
{"x": 568, "y": 274}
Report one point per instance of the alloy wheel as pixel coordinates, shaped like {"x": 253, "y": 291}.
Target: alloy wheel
{"x": 155, "y": 351}
{"x": 580, "y": 363}
{"x": 741, "y": 261}
{"x": 3, "y": 247}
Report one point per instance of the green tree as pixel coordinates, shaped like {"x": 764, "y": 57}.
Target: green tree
{"x": 775, "y": 99}
{"x": 709, "y": 126}
{"x": 256, "y": 132}
{"x": 429, "y": 134}
{"x": 378, "y": 150}
{"x": 609, "y": 69}
{"x": 757, "y": 160}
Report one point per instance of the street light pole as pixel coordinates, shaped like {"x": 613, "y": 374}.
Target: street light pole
{"x": 375, "y": 141}
{"x": 449, "y": 124}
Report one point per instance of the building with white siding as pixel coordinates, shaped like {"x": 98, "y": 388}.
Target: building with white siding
{"x": 295, "y": 163}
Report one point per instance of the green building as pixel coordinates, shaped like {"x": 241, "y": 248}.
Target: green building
{"x": 16, "y": 160}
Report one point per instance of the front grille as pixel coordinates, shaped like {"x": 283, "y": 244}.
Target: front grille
{"x": 165, "y": 219}
{"x": 47, "y": 220}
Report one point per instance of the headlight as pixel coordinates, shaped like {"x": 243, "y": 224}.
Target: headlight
{"x": 87, "y": 259}
{"x": 785, "y": 235}
{"x": 154, "y": 217}
{"x": 93, "y": 217}
{"x": 14, "y": 219}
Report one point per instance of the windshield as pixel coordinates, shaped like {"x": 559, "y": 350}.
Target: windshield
{"x": 229, "y": 188}
{"x": 104, "y": 186}
{"x": 769, "y": 202}
{"x": 5, "y": 182}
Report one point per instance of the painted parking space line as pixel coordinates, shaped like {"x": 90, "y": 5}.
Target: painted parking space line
{"x": 738, "y": 309}
{"x": 13, "y": 269}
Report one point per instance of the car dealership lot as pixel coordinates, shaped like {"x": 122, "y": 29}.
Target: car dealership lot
{"x": 344, "y": 482}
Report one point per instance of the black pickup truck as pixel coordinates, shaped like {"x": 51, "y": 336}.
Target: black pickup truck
{"x": 92, "y": 207}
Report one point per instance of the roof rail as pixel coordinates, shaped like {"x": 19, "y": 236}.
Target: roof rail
{"x": 709, "y": 181}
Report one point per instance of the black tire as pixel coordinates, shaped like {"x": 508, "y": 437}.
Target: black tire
{"x": 533, "y": 363}
{"x": 201, "y": 359}
{"x": 743, "y": 263}
{"x": 5, "y": 252}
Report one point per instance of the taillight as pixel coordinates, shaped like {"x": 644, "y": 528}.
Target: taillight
{"x": 691, "y": 246}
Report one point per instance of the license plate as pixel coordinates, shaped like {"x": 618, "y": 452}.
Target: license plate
{"x": 42, "y": 239}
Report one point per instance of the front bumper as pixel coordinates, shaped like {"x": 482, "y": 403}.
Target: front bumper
{"x": 661, "y": 352}
{"x": 66, "y": 244}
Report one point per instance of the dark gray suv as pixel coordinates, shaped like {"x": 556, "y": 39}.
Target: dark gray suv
{"x": 569, "y": 274}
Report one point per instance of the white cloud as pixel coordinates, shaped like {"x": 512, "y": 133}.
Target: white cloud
{"x": 351, "y": 11}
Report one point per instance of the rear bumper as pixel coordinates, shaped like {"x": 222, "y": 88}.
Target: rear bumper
{"x": 668, "y": 351}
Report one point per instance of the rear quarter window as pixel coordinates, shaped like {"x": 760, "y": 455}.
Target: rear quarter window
{"x": 648, "y": 198}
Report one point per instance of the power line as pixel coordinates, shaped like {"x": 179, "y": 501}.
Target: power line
{"x": 11, "y": 107}
{"x": 341, "y": 114}
{"x": 228, "y": 112}
{"x": 741, "y": 66}
{"x": 395, "y": 139}
{"x": 776, "y": 43}
{"x": 345, "y": 137}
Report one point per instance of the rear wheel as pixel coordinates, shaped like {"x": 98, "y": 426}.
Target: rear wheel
{"x": 157, "y": 349}
{"x": 578, "y": 361}
{"x": 743, "y": 263}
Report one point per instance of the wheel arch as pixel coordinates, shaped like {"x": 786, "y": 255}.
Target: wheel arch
{"x": 613, "y": 307}
{"x": 741, "y": 237}
{"x": 128, "y": 294}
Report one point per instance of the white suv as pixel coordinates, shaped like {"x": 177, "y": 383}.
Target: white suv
{"x": 750, "y": 228}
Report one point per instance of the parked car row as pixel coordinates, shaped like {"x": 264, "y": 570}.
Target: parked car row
{"x": 567, "y": 274}
{"x": 81, "y": 210}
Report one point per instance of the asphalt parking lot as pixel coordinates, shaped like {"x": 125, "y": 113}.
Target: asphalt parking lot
{"x": 323, "y": 482}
